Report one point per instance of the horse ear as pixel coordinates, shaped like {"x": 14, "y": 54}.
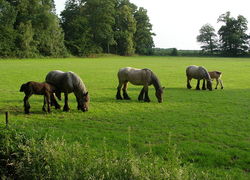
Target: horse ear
{"x": 86, "y": 93}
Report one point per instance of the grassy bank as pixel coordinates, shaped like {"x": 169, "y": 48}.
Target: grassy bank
{"x": 210, "y": 130}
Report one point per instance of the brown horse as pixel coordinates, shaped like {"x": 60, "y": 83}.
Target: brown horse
{"x": 144, "y": 77}
{"x": 199, "y": 73}
{"x": 216, "y": 75}
{"x": 45, "y": 89}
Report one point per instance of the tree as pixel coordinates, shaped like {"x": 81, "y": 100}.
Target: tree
{"x": 208, "y": 38}
{"x": 143, "y": 36}
{"x": 125, "y": 28}
{"x": 7, "y": 32}
{"x": 31, "y": 27}
{"x": 101, "y": 18}
{"x": 233, "y": 37}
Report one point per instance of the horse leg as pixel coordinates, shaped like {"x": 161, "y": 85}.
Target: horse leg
{"x": 118, "y": 94}
{"x": 217, "y": 82}
{"x": 26, "y": 103}
{"x": 47, "y": 98}
{"x": 66, "y": 106}
{"x": 140, "y": 97}
{"x": 54, "y": 102}
{"x": 146, "y": 98}
{"x": 204, "y": 85}
{"x": 188, "y": 83}
{"x": 44, "y": 104}
{"x": 221, "y": 83}
{"x": 198, "y": 85}
{"x": 124, "y": 90}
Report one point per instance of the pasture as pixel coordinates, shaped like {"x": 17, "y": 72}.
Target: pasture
{"x": 210, "y": 129}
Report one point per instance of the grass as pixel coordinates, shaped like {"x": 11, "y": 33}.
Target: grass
{"x": 210, "y": 129}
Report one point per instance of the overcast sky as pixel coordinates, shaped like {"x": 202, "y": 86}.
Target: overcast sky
{"x": 176, "y": 23}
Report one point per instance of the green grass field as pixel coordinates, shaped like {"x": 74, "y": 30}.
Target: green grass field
{"x": 211, "y": 129}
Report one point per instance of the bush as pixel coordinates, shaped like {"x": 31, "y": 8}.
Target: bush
{"x": 27, "y": 158}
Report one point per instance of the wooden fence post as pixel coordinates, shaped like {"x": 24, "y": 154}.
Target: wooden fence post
{"x": 7, "y": 119}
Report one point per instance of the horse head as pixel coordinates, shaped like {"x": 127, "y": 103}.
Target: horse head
{"x": 209, "y": 84}
{"x": 23, "y": 87}
{"x": 83, "y": 102}
{"x": 159, "y": 94}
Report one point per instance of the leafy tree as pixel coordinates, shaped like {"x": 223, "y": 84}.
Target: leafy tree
{"x": 208, "y": 38}
{"x": 233, "y": 37}
{"x": 174, "y": 52}
{"x": 7, "y": 32}
{"x": 101, "y": 18}
{"x": 143, "y": 36}
{"x": 34, "y": 28}
{"x": 76, "y": 28}
{"x": 125, "y": 28}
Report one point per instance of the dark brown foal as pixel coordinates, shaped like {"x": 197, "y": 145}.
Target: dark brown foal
{"x": 45, "y": 89}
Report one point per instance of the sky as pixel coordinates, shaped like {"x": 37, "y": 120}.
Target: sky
{"x": 176, "y": 23}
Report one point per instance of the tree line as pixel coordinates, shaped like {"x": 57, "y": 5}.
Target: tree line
{"x": 31, "y": 28}
{"x": 232, "y": 38}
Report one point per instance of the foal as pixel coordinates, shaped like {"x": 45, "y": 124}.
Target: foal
{"x": 45, "y": 89}
{"x": 216, "y": 75}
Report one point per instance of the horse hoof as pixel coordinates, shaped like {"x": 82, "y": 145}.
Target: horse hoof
{"x": 118, "y": 97}
{"x": 221, "y": 87}
{"x": 203, "y": 88}
{"x": 146, "y": 100}
{"x": 65, "y": 109}
{"x": 127, "y": 98}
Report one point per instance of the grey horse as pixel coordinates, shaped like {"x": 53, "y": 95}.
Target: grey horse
{"x": 68, "y": 82}
{"x": 144, "y": 77}
{"x": 199, "y": 73}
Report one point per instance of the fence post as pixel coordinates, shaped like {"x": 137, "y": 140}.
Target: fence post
{"x": 7, "y": 119}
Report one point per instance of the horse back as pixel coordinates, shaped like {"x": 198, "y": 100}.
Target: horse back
{"x": 134, "y": 75}
{"x": 197, "y": 72}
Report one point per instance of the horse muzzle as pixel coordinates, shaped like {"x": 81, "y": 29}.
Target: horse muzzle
{"x": 84, "y": 109}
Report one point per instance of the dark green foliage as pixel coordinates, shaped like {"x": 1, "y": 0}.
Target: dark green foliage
{"x": 125, "y": 28}
{"x": 109, "y": 26}
{"x": 31, "y": 29}
{"x": 233, "y": 37}
{"x": 174, "y": 52}
{"x": 143, "y": 35}
{"x": 208, "y": 38}
{"x": 7, "y": 33}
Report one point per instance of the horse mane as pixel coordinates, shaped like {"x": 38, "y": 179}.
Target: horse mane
{"x": 155, "y": 81}
{"x": 77, "y": 82}
{"x": 205, "y": 73}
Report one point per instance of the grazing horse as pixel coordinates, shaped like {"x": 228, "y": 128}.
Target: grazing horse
{"x": 199, "y": 73}
{"x": 216, "y": 75}
{"x": 144, "y": 77}
{"x": 68, "y": 82}
{"x": 45, "y": 89}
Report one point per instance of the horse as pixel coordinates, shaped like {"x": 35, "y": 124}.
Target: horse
{"x": 68, "y": 82}
{"x": 144, "y": 77}
{"x": 216, "y": 75}
{"x": 199, "y": 73}
{"x": 45, "y": 89}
